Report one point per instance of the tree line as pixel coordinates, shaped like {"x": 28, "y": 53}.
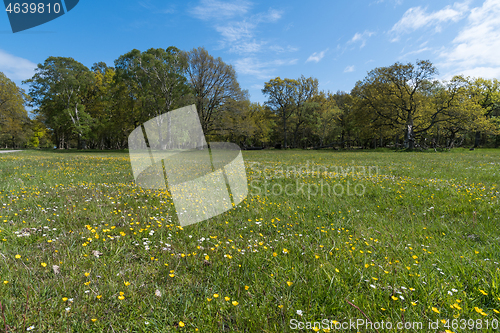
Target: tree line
{"x": 402, "y": 105}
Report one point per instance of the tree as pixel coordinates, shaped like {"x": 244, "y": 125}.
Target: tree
{"x": 155, "y": 78}
{"x": 487, "y": 93}
{"x": 59, "y": 89}
{"x": 281, "y": 95}
{"x": 13, "y": 115}
{"x": 405, "y": 96}
{"x": 306, "y": 89}
{"x": 214, "y": 84}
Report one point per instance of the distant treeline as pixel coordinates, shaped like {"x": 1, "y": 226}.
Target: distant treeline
{"x": 400, "y": 106}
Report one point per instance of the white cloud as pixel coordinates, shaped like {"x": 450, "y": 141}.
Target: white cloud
{"x": 236, "y": 31}
{"x": 16, "y": 68}
{"x": 349, "y": 69}
{"x": 259, "y": 69}
{"x": 423, "y": 49}
{"x": 220, "y": 10}
{"x": 280, "y": 49}
{"x": 361, "y": 37}
{"x": 238, "y": 36}
{"x": 316, "y": 57}
{"x": 475, "y": 51}
{"x": 416, "y": 18}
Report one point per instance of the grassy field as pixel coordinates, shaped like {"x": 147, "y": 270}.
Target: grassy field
{"x": 323, "y": 240}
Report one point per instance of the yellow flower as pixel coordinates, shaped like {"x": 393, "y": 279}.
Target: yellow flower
{"x": 315, "y": 329}
{"x": 209, "y": 299}
{"x": 285, "y": 251}
{"x": 207, "y": 257}
{"x": 126, "y": 283}
{"x": 274, "y": 254}
{"x": 413, "y": 303}
{"x": 93, "y": 320}
{"x": 394, "y": 298}
{"x": 289, "y": 283}
{"x": 483, "y": 292}
{"x": 247, "y": 287}
{"x": 435, "y": 310}
{"x": 99, "y": 296}
{"x": 181, "y": 324}
{"x": 227, "y": 299}
{"x": 5, "y": 282}
{"x": 171, "y": 275}
{"x": 216, "y": 295}
{"x": 17, "y": 256}
{"x": 280, "y": 306}
{"x": 87, "y": 283}
{"x": 43, "y": 264}
{"x": 121, "y": 297}
{"x": 414, "y": 257}
{"x": 235, "y": 303}
{"x": 316, "y": 256}
{"x": 87, "y": 273}
{"x": 64, "y": 299}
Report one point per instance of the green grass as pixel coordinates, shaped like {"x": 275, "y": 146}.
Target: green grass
{"x": 419, "y": 244}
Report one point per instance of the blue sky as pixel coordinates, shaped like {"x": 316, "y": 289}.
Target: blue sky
{"x": 337, "y": 42}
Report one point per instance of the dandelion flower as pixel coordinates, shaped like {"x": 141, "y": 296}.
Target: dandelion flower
{"x": 234, "y": 303}
{"x": 181, "y": 324}
{"x": 43, "y": 264}
{"x": 17, "y": 256}
{"x": 247, "y": 287}
{"x": 227, "y": 299}
{"x": 216, "y": 295}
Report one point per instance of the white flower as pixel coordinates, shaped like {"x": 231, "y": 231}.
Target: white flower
{"x": 454, "y": 290}
{"x": 30, "y": 328}
{"x": 299, "y": 312}
{"x": 371, "y": 285}
{"x": 450, "y": 293}
{"x": 67, "y": 309}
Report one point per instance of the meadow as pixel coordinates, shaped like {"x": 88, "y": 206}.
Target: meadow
{"x": 323, "y": 239}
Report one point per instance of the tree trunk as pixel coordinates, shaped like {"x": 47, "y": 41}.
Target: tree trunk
{"x": 477, "y": 139}
{"x": 284, "y": 132}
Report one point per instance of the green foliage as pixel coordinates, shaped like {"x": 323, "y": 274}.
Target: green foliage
{"x": 14, "y": 121}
